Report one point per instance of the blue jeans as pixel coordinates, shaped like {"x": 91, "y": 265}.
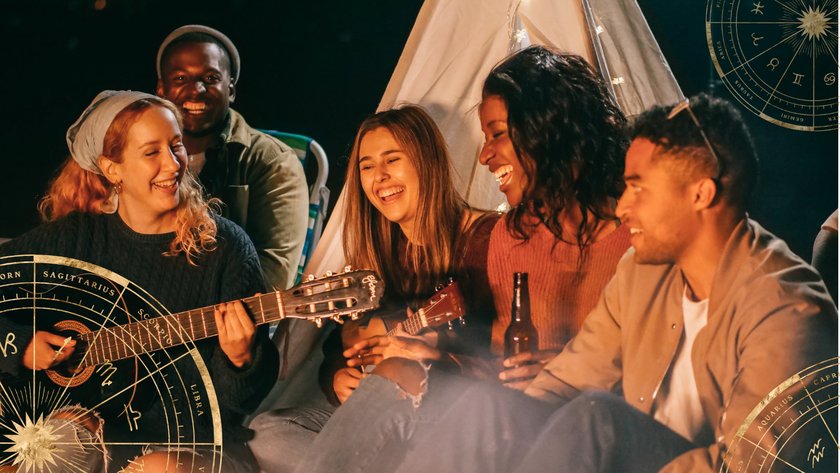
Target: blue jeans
{"x": 282, "y": 436}
{"x": 600, "y": 432}
{"x": 455, "y": 426}
{"x": 465, "y": 426}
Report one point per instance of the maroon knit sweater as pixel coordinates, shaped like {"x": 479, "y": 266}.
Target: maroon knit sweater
{"x": 562, "y": 293}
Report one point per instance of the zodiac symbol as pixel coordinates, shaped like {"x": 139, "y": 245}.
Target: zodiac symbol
{"x": 132, "y": 417}
{"x": 814, "y": 455}
{"x": 757, "y": 10}
{"x": 107, "y": 370}
{"x": 798, "y": 78}
{"x": 10, "y": 342}
{"x": 829, "y": 78}
{"x": 756, "y": 39}
{"x": 773, "y": 64}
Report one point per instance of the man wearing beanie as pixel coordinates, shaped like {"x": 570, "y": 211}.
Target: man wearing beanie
{"x": 259, "y": 179}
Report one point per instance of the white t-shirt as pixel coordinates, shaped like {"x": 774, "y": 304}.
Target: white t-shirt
{"x": 678, "y": 402}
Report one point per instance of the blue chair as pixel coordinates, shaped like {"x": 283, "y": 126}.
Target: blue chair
{"x": 310, "y": 152}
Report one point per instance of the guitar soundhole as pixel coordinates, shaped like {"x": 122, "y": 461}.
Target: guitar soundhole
{"x": 67, "y": 373}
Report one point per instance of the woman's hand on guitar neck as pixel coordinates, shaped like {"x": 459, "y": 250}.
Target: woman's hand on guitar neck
{"x": 46, "y": 350}
{"x": 236, "y": 333}
{"x": 375, "y": 349}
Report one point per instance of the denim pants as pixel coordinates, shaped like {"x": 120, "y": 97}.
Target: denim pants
{"x": 282, "y": 436}
{"x": 600, "y": 432}
{"x": 460, "y": 425}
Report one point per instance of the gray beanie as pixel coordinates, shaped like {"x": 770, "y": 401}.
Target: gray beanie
{"x": 228, "y": 44}
{"x": 85, "y": 137}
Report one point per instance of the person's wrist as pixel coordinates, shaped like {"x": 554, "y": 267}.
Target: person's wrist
{"x": 243, "y": 361}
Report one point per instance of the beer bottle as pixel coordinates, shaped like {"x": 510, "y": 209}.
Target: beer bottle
{"x": 520, "y": 336}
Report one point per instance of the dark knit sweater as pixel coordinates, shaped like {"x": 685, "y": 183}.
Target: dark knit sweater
{"x": 231, "y": 271}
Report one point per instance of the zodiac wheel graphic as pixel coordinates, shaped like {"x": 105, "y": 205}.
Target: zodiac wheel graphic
{"x": 778, "y": 58}
{"x": 171, "y": 385}
{"x": 793, "y": 429}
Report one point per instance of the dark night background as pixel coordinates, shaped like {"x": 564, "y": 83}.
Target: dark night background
{"x": 316, "y": 68}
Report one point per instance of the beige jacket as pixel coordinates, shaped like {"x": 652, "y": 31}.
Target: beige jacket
{"x": 769, "y": 318}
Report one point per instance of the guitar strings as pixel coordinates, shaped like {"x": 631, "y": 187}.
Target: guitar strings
{"x": 129, "y": 339}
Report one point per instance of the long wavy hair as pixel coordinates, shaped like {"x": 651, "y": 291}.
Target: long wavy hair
{"x": 75, "y": 189}
{"x": 569, "y": 136}
{"x": 372, "y": 241}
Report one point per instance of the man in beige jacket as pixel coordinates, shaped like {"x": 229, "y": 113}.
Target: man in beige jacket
{"x": 705, "y": 316}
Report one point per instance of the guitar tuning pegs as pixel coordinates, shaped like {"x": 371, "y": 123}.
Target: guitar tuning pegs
{"x": 318, "y": 322}
{"x": 310, "y": 277}
{"x": 337, "y": 319}
{"x": 462, "y": 321}
{"x": 328, "y": 274}
{"x": 348, "y": 268}
{"x": 355, "y": 316}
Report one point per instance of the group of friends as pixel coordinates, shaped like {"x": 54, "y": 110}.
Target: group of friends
{"x": 664, "y": 313}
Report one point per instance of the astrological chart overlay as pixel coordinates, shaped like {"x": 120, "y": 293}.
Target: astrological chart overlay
{"x": 778, "y": 58}
{"x": 793, "y": 429}
{"x": 162, "y": 399}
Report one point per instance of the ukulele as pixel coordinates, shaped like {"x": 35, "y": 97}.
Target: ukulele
{"x": 443, "y": 307}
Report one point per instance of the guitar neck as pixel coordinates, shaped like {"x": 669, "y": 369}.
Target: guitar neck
{"x": 144, "y": 336}
{"x": 412, "y": 325}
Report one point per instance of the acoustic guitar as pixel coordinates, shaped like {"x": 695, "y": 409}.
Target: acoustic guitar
{"x": 106, "y": 342}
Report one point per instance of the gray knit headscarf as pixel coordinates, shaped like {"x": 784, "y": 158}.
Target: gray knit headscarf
{"x": 85, "y": 137}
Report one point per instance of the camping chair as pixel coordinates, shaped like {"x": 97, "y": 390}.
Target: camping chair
{"x": 315, "y": 165}
{"x": 301, "y": 385}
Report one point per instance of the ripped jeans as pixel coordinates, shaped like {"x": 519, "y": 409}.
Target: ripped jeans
{"x": 474, "y": 427}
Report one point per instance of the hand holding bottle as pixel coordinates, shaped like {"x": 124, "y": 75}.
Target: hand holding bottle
{"x": 523, "y": 358}
{"x": 519, "y": 370}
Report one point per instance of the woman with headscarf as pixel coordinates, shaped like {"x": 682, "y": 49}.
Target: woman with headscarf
{"x": 125, "y": 201}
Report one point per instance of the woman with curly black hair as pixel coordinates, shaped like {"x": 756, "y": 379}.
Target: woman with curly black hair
{"x": 554, "y": 139}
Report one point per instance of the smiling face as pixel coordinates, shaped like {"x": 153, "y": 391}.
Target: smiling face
{"x": 150, "y": 168}
{"x": 498, "y": 153}
{"x": 196, "y": 77}
{"x": 656, "y": 205}
{"x": 389, "y": 178}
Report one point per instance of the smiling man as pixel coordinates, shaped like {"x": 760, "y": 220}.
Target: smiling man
{"x": 259, "y": 179}
{"x": 706, "y": 314}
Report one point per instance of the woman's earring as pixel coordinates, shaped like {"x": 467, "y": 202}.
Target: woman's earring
{"x": 110, "y": 204}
